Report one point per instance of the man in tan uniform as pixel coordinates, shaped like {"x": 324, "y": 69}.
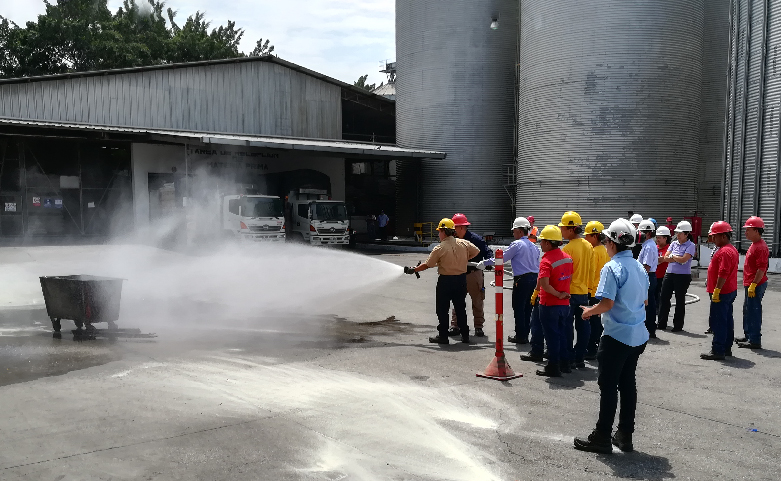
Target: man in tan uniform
{"x": 450, "y": 258}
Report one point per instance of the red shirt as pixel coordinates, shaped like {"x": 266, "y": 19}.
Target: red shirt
{"x": 557, "y": 266}
{"x": 662, "y": 267}
{"x": 756, "y": 259}
{"x": 724, "y": 263}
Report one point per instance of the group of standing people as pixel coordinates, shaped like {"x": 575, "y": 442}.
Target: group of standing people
{"x": 596, "y": 297}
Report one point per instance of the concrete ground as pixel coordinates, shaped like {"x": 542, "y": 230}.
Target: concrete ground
{"x": 357, "y": 392}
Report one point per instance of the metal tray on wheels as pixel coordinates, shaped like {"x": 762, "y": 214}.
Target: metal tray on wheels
{"x": 83, "y": 299}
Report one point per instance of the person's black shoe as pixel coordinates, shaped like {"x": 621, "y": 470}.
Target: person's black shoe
{"x": 749, "y": 345}
{"x": 712, "y": 356}
{"x": 550, "y": 370}
{"x": 661, "y": 327}
{"x": 676, "y": 329}
{"x": 517, "y": 339}
{"x": 623, "y": 441}
{"x": 709, "y": 331}
{"x": 595, "y": 443}
{"x": 590, "y": 357}
{"x": 479, "y": 332}
{"x": 579, "y": 365}
{"x": 465, "y": 339}
{"x": 454, "y": 332}
{"x": 738, "y": 340}
{"x": 439, "y": 340}
{"x": 565, "y": 367}
{"x": 728, "y": 353}
{"x": 545, "y": 355}
{"x": 531, "y": 356}
{"x": 652, "y": 335}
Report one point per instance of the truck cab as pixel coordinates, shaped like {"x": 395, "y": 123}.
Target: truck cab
{"x": 253, "y": 217}
{"x": 317, "y": 220}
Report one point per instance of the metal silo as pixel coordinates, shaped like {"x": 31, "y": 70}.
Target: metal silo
{"x": 609, "y": 108}
{"x": 751, "y": 178}
{"x": 454, "y": 93}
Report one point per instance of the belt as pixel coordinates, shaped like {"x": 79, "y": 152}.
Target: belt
{"x": 527, "y": 274}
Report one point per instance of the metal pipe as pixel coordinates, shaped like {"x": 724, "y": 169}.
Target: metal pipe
{"x": 760, "y": 115}
{"x": 734, "y": 61}
{"x": 728, "y": 107}
{"x": 747, "y": 62}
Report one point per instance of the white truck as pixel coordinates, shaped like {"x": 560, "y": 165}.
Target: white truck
{"x": 253, "y": 217}
{"x": 316, "y": 220}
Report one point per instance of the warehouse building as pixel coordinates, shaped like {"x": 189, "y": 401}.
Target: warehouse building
{"x": 111, "y": 152}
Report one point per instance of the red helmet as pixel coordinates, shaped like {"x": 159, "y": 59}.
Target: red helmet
{"x": 755, "y": 222}
{"x": 530, "y": 218}
{"x": 460, "y": 219}
{"x": 669, "y": 219}
{"x": 720, "y": 227}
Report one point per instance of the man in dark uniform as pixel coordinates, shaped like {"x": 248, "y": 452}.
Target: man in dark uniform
{"x": 475, "y": 282}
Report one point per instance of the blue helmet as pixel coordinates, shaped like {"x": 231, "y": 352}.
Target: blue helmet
{"x": 654, "y": 221}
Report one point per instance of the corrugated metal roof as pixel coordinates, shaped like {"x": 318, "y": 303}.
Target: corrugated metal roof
{"x": 387, "y": 90}
{"x": 269, "y": 142}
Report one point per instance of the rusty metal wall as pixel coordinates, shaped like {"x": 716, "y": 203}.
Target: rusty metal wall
{"x": 610, "y": 101}
{"x": 454, "y": 93}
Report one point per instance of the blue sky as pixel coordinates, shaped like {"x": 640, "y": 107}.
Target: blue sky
{"x": 341, "y": 38}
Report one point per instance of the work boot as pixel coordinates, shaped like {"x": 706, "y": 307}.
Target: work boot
{"x": 454, "y": 332}
{"x": 709, "y": 331}
{"x": 479, "y": 332}
{"x": 738, "y": 340}
{"x": 517, "y": 339}
{"x": 580, "y": 365}
{"x": 676, "y": 329}
{"x": 728, "y": 353}
{"x": 595, "y": 443}
{"x": 531, "y": 356}
{"x": 712, "y": 356}
{"x": 590, "y": 357}
{"x": 465, "y": 338}
{"x": 623, "y": 441}
{"x": 749, "y": 345}
{"x": 565, "y": 367}
{"x": 550, "y": 370}
{"x": 545, "y": 355}
{"x": 439, "y": 340}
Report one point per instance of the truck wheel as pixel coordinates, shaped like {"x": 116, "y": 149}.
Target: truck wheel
{"x": 56, "y": 325}
{"x": 79, "y": 324}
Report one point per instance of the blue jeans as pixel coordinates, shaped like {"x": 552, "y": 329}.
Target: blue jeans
{"x": 576, "y": 323}
{"x": 650, "y": 309}
{"x": 554, "y": 325}
{"x": 537, "y": 335}
{"x": 752, "y": 315}
{"x": 523, "y": 286}
{"x": 722, "y": 322}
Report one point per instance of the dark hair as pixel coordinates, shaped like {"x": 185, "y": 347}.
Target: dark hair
{"x": 556, "y": 243}
{"x": 449, "y": 232}
{"x": 523, "y": 230}
{"x": 669, "y": 238}
{"x": 621, "y": 247}
{"x": 578, "y": 230}
{"x": 729, "y": 235}
{"x": 761, "y": 230}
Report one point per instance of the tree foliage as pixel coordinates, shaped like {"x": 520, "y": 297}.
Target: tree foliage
{"x": 361, "y": 83}
{"x": 81, "y": 35}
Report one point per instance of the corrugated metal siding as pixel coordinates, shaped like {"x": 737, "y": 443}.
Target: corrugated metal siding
{"x": 610, "y": 104}
{"x": 259, "y": 98}
{"x": 454, "y": 93}
{"x": 768, "y": 178}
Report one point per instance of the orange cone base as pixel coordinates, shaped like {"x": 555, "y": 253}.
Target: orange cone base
{"x": 499, "y": 370}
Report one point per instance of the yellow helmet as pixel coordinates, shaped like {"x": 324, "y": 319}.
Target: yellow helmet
{"x": 446, "y": 224}
{"x": 594, "y": 227}
{"x": 550, "y": 233}
{"x": 570, "y": 219}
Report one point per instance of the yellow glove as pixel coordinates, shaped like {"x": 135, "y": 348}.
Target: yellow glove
{"x": 534, "y": 297}
{"x": 752, "y": 289}
{"x": 715, "y": 296}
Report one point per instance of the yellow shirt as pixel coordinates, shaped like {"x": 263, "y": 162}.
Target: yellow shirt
{"x": 451, "y": 255}
{"x": 599, "y": 260}
{"x": 581, "y": 252}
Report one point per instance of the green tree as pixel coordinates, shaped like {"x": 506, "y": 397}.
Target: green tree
{"x": 80, "y": 35}
{"x": 361, "y": 83}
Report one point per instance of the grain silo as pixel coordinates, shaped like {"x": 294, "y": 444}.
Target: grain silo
{"x": 751, "y": 178}
{"x": 609, "y": 108}
{"x": 454, "y": 93}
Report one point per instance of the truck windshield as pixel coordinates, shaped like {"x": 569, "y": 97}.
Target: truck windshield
{"x": 261, "y": 207}
{"x": 329, "y": 211}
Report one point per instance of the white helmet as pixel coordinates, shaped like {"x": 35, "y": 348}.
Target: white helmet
{"x": 646, "y": 225}
{"x": 636, "y": 219}
{"x": 664, "y": 230}
{"x": 683, "y": 226}
{"x": 622, "y": 232}
{"x": 522, "y": 223}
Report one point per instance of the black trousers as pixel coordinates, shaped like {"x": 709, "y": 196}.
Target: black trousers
{"x": 523, "y": 286}
{"x": 451, "y": 289}
{"x": 680, "y": 284}
{"x": 617, "y": 366}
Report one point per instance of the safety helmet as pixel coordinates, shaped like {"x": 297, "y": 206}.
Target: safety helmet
{"x": 530, "y": 218}
{"x": 636, "y": 219}
{"x": 621, "y": 231}
{"x": 570, "y": 219}
{"x": 663, "y": 230}
{"x": 720, "y": 227}
{"x": 550, "y": 233}
{"x": 654, "y": 221}
{"x": 755, "y": 222}
{"x": 646, "y": 226}
{"x": 446, "y": 224}
{"x": 594, "y": 227}
{"x": 683, "y": 226}
{"x": 521, "y": 223}
{"x": 460, "y": 219}
{"x": 669, "y": 219}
